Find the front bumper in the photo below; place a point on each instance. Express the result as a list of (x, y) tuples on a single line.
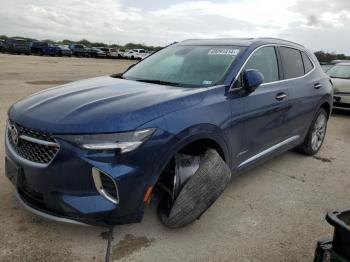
[(45, 214), (65, 190)]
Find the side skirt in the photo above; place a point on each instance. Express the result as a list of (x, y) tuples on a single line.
[(268, 151)]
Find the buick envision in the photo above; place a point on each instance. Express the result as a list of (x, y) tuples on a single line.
[(94, 151)]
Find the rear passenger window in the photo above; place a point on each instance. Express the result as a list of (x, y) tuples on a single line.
[(265, 61), (307, 63), (292, 62)]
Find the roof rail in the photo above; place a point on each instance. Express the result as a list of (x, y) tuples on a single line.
[(275, 38), (223, 38)]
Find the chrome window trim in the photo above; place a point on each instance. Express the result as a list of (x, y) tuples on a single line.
[(269, 150), (274, 82), (99, 187)]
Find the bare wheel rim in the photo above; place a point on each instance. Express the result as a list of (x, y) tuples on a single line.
[(318, 132)]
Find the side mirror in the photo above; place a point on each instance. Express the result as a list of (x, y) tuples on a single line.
[(252, 78)]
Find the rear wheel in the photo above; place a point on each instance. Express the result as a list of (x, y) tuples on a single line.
[(316, 134)]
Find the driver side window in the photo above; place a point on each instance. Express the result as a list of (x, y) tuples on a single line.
[(265, 61)]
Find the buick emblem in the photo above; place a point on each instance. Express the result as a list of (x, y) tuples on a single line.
[(14, 134)]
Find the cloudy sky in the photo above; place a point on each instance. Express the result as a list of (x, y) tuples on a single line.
[(318, 24)]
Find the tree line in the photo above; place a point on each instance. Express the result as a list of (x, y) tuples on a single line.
[(325, 57)]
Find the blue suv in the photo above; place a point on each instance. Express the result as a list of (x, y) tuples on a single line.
[(97, 150)]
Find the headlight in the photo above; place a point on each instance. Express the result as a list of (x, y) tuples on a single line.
[(124, 141)]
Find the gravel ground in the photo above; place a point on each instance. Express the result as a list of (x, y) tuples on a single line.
[(272, 213)]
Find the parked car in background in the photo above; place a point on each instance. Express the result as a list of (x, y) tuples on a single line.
[(79, 50), (326, 66), (337, 61), (41, 48), (93, 151), (17, 46), (340, 75), (113, 53), (63, 50), (122, 53), (2, 42), (136, 54), (110, 52), (96, 52)]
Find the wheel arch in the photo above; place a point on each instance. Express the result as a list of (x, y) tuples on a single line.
[(207, 138), (327, 107)]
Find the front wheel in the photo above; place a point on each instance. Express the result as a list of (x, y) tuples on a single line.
[(316, 134), (183, 205)]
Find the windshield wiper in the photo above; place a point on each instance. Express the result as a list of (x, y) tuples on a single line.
[(159, 82)]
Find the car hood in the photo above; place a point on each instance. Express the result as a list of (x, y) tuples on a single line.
[(101, 105), (341, 85)]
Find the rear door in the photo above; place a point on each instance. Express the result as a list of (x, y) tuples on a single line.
[(266, 107), (304, 89)]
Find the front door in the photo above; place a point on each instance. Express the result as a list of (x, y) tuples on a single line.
[(265, 109)]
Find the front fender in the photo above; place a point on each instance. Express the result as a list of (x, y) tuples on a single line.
[(189, 135)]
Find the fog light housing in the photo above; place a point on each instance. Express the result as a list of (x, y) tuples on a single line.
[(105, 185)]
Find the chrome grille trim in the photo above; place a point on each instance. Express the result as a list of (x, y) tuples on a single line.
[(31, 149), (38, 141)]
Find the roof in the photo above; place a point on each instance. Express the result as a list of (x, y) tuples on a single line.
[(238, 41)]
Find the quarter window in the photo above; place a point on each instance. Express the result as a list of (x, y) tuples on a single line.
[(292, 62), (265, 61), (307, 63)]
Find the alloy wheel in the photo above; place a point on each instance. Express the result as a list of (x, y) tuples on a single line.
[(318, 132)]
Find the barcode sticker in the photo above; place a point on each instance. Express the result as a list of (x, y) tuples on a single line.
[(223, 51)]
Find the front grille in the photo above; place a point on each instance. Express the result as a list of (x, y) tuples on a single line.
[(108, 185), (38, 147)]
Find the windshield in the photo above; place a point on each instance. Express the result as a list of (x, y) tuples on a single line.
[(185, 65), (339, 71)]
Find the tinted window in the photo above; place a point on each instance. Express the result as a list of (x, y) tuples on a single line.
[(307, 63), (292, 62), (265, 61)]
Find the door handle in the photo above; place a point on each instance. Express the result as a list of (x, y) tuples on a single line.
[(281, 96), (317, 86)]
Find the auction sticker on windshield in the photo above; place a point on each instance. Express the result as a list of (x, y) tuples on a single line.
[(223, 51)]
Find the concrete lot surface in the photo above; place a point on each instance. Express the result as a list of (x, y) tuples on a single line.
[(271, 213)]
